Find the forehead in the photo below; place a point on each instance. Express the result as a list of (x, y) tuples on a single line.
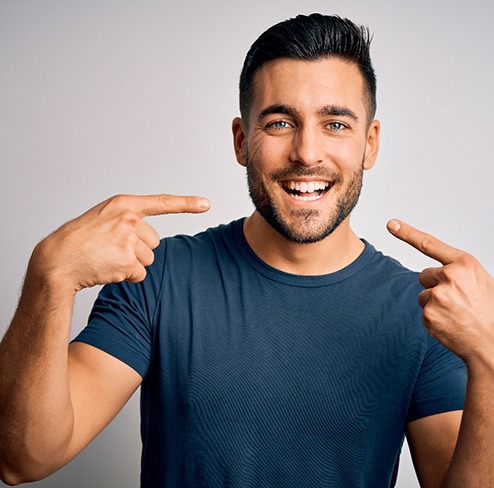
[(309, 85)]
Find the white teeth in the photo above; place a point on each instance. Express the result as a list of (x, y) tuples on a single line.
[(306, 198), (307, 187)]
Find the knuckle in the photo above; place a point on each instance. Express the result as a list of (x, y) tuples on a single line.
[(148, 259), (406, 231), (138, 275), (192, 201), (128, 216), (155, 241), (429, 320), (150, 237), (151, 257), (468, 260), (128, 241), (118, 201), (437, 295), (127, 264), (424, 277), (427, 243), (122, 198), (425, 320), (119, 276), (127, 259), (120, 207), (452, 274), (164, 201)]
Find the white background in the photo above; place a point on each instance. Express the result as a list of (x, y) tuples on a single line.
[(104, 97)]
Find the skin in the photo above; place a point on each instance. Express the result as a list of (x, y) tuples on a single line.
[(459, 298), (294, 128), (458, 304), (51, 395), (55, 399)]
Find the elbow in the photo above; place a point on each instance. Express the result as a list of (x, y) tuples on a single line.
[(10, 477), (26, 462), (8, 474), (13, 475)]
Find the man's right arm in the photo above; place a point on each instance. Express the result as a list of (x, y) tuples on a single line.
[(54, 399)]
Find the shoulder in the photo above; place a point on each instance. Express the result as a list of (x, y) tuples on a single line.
[(390, 293), (186, 250), (386, 274), (206, 239)]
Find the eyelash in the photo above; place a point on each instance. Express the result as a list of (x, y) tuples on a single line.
[(331, 125), (341, 125), (275, 123)]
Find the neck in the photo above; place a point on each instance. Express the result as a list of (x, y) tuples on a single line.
[(333, 253)]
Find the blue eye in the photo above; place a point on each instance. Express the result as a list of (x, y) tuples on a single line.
[(336, 126), (279, 124)]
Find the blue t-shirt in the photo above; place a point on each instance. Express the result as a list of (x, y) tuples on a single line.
[(254, 377)]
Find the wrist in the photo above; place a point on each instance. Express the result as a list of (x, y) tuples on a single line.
[(481, 364), (45, 273)]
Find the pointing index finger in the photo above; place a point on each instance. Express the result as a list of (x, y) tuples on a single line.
[(149, 205), (425, 243)]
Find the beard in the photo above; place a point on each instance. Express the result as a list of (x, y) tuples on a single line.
[(303, 226)]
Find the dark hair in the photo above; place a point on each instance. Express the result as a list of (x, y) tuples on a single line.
[(310, 38)]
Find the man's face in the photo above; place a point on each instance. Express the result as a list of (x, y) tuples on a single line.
[(306, 145)]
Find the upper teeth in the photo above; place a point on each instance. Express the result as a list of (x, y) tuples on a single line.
[(307, 186)]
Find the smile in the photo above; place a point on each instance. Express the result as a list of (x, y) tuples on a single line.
[(306, 191)]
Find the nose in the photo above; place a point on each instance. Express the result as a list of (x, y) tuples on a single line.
[(307, 147)]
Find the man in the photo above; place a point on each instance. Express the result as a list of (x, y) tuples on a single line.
[(280, 349)]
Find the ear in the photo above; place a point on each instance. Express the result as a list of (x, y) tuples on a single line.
[(239, 141), (372, 145)]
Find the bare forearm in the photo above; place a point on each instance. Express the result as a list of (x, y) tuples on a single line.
[(36, 416), (473, 460), (44, 419)]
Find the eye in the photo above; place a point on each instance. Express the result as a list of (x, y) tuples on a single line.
[(279, 125), (336, 126)]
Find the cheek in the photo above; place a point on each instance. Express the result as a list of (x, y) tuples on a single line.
[(348, 155), (268, 154), (257, 157)]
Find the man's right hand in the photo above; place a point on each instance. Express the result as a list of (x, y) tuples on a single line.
[(109, 243), (51, 404)]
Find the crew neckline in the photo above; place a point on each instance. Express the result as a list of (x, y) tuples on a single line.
[(294, 279)]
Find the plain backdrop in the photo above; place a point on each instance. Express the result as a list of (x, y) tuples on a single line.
[(99, 97)]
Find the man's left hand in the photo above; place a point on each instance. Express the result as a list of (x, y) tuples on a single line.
[(458, 300)]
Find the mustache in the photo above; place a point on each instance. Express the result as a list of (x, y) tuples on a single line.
[(300, 172)]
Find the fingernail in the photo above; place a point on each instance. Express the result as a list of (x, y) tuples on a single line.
[(203, 203), (394, 225)]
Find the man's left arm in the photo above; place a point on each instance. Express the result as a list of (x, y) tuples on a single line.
[(458, 311)]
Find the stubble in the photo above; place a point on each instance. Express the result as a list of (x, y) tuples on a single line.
[(304, 226)]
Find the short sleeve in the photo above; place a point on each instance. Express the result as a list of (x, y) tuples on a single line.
[(122, 317), (441, 383)]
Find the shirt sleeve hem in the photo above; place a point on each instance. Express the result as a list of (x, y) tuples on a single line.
[(131, 358), (427, 409)]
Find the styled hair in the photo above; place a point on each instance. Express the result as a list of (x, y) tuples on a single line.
[(311, 37)]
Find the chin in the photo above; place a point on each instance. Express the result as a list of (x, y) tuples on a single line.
[(305, 230)]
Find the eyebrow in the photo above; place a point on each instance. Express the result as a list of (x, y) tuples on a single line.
[(280, 108), (338, 110)]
